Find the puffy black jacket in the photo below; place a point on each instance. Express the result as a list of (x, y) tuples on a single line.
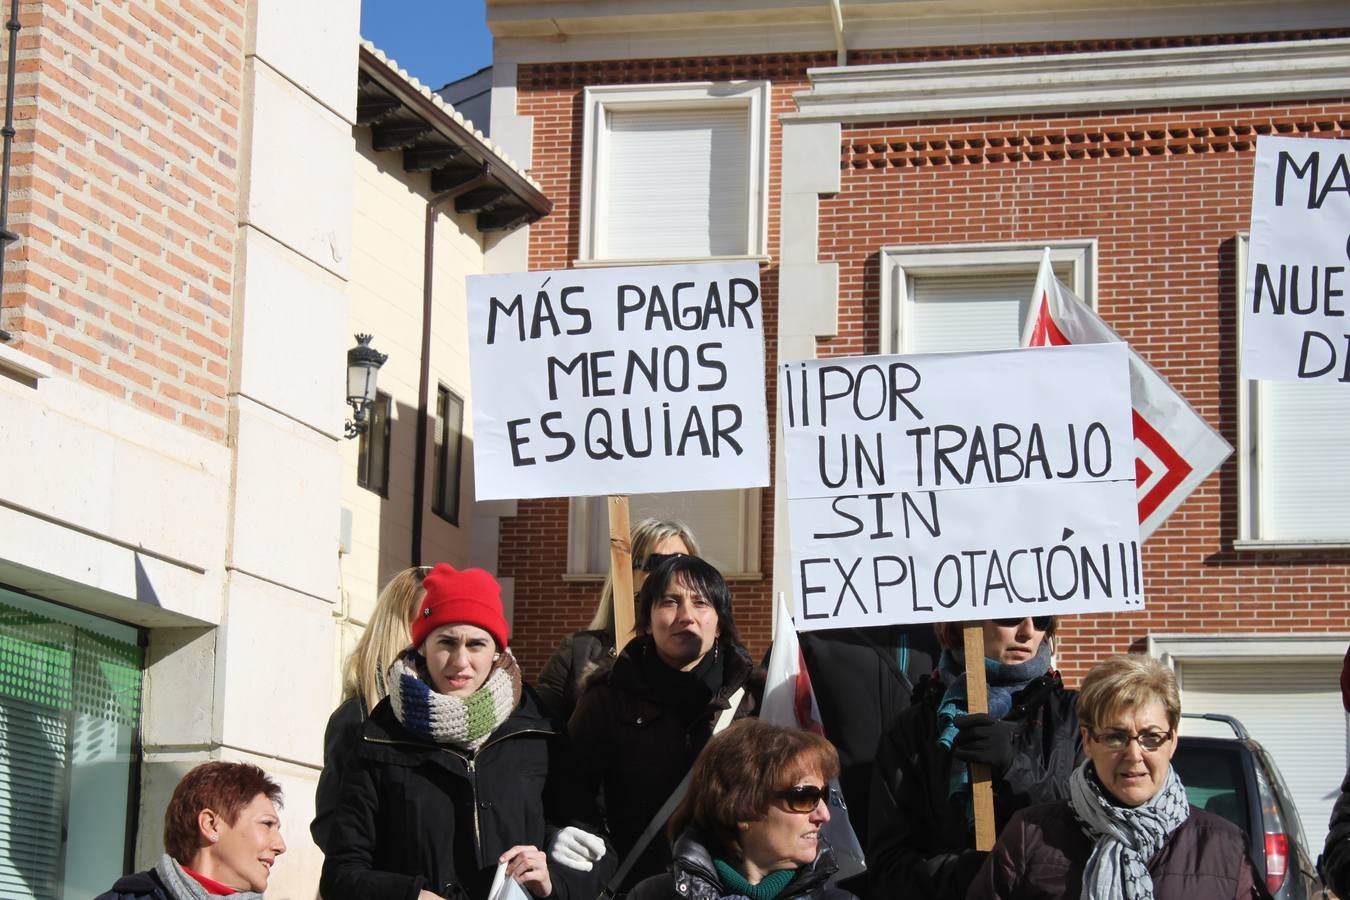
[(633, 745), (139, 886), (416, 815), (921, 844), (577, 656), (1041, 854), (694, 877), (1334, 863)]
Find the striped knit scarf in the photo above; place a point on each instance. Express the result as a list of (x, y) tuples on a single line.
[(462, 721)]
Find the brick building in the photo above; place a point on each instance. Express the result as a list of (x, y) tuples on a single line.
[(896, 168), (210, 198)]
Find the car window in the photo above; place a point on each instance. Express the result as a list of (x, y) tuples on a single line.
[(1214, 782)]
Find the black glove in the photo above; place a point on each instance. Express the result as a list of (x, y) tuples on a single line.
[(983, 739)]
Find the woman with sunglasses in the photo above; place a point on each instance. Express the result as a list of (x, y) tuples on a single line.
[(1126, 829), (750, 824), (640, 723), (581, 653), (921, 819)]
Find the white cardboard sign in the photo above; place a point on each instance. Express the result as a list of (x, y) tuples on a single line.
[(617, 381), (1294, 314), (957, 486)]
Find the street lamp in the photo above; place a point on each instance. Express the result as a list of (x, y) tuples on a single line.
[(363, 367)]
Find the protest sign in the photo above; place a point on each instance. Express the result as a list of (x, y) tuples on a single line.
[(617, 380), (960, 486), (1294, 325)]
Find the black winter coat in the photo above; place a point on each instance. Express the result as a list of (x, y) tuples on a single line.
[(139, 886), (694, 877), (577, 656), (343, 731), (921, 844), (1041, 854), (633, 747), (416, 815), (863, 678), (1334, 864)]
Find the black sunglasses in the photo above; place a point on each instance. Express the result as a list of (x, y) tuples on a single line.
[(652, 560), (1040, 623), (803, 798)]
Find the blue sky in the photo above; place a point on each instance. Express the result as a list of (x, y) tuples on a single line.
[(436, 40)]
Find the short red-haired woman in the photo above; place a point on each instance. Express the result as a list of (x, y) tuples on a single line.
[(750, 825), (222, 835)]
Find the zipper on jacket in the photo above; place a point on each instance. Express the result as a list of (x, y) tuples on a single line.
[(470, 765)]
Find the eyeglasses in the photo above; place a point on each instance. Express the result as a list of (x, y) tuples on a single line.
[(653, 560), (1040, 623), (1119, 740), (803, 798)]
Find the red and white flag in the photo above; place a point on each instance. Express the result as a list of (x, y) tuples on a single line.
[(1175, 449), (789, 700)]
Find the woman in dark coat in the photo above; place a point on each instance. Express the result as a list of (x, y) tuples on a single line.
[(363, 687), (639, 725), (449, 776), (1126, 829), (750, 825), (921, 817), (583, 652)]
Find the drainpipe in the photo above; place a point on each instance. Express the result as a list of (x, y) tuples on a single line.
[(8, 237), (424, 377), (837, 16)]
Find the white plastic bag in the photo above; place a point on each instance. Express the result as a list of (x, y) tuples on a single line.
[(504, 888)]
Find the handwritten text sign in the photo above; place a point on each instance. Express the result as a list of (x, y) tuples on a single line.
[(1294, 322), (958, 486), (617, 381)]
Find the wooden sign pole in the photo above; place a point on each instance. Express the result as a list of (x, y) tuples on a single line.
[(977, 701), (621, 570)]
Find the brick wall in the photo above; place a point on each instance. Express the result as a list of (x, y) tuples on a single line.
[(1164, 192), (124, 193)]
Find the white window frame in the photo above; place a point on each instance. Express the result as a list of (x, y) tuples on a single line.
[(600, 100), (1252, 397), (582, 513), (899, 265)]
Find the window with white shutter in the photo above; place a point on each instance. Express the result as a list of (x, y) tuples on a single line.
[(969, 297), (1292, 437), (70, 689), (725, 524), (674, 172)]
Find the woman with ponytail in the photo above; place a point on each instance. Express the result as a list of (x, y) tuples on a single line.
[(922, 820)]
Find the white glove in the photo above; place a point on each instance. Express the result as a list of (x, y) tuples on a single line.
[(576, 849)]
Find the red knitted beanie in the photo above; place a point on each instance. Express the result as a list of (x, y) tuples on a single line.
[(460, 597)]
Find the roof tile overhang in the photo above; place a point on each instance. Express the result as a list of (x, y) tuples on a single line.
[(402, 114)]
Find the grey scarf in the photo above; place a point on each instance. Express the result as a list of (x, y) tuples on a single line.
[(1127, 836), (183, 886)]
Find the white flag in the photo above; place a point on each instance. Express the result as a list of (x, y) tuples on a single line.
[(790, 701), (1175, 449)]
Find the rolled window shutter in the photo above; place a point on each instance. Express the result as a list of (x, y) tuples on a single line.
[(676, 184), (714, 517), (969, 309), (1305, 429)]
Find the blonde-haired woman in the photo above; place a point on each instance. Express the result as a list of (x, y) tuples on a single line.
[(364, 685), (581, 653), (1127, 829)]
